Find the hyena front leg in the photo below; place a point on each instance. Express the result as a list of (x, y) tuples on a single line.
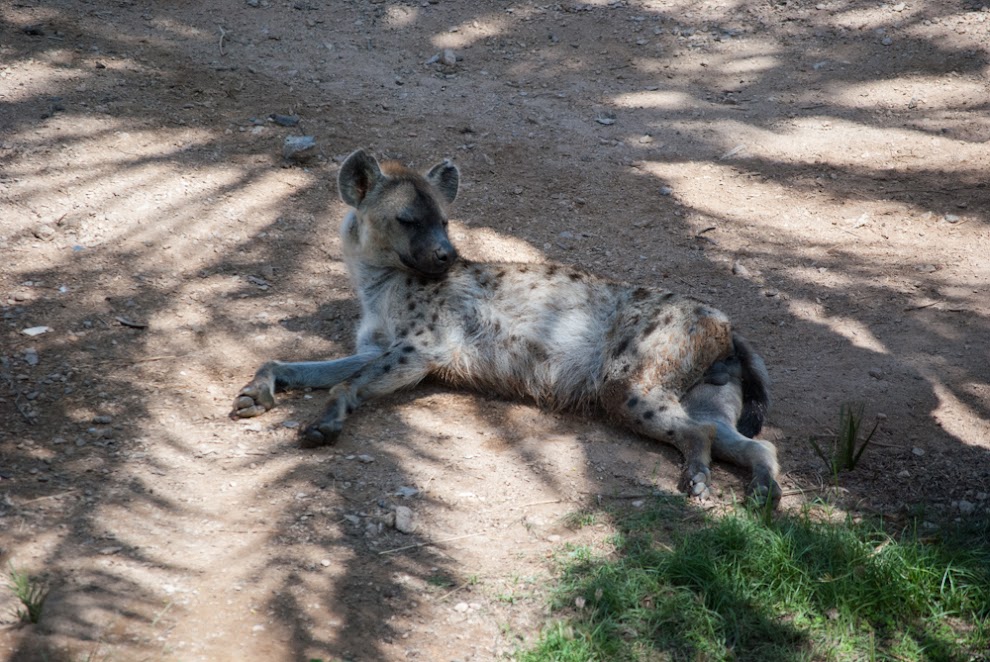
[(399, 367), (259, 395), (658, 414)]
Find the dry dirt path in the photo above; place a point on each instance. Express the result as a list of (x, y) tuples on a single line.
[(816, 169)]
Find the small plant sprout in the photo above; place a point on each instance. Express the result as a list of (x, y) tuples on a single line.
[(846, 448), (31, 592)]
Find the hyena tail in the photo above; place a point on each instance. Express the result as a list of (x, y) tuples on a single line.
[(755, 388)]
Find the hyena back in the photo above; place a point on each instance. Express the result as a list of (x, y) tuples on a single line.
[(664, 365)]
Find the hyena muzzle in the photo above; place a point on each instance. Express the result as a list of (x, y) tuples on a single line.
[(667, 366)]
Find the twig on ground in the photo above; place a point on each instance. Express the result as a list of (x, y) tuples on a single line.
[(428, 543), (223, 33), (49, 496), (131, 323), (539, 503)]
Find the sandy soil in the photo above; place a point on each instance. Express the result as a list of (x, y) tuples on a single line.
[(816, 169)]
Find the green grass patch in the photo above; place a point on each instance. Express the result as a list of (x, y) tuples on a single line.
[(748, 587), (30, 592)]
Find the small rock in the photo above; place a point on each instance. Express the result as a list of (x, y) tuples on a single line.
[(904, 473), (325, 563), (290, 424), (406, 492), (875, 373), (365, 459), (284, 120), (36, 330), (740, 270), (606, 119), (899, 7), (566, 234), (404, 520), (299, 148), (638, 503), (461, 607), (102, 419), (952, 218), (353, 519), (258, 628), (44, 232), (448, 57), (886, 41), (666, 191), (966, 507), (31, 356), (918, 451), (770, 293)]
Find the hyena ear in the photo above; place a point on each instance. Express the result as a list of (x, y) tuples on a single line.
[(446, 177), (358, 175)]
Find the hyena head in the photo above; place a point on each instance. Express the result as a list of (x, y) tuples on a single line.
[(399, 218)]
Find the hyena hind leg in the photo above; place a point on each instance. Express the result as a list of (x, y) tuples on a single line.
[(259, 395), (659, 415), (721, 405)]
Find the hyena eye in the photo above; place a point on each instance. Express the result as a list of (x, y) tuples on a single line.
[(407, 221), (446, 222)]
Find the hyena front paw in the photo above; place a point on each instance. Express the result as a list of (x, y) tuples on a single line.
[(254, 399), (696, 482), (321, 433)]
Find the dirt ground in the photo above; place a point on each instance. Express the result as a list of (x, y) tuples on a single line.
[(818, 170)]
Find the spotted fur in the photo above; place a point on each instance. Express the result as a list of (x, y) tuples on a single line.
[(668, 366)]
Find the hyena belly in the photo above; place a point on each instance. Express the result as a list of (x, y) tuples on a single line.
[(568, 340), (532, 331)]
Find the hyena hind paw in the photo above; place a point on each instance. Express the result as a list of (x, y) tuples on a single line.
[(763, 491), (696, 483)]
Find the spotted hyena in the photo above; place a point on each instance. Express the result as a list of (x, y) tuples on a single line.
[(667, 366)]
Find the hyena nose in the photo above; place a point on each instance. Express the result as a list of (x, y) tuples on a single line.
[(444, 253)]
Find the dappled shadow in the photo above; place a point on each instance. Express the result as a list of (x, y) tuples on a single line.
[(139, 115)]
